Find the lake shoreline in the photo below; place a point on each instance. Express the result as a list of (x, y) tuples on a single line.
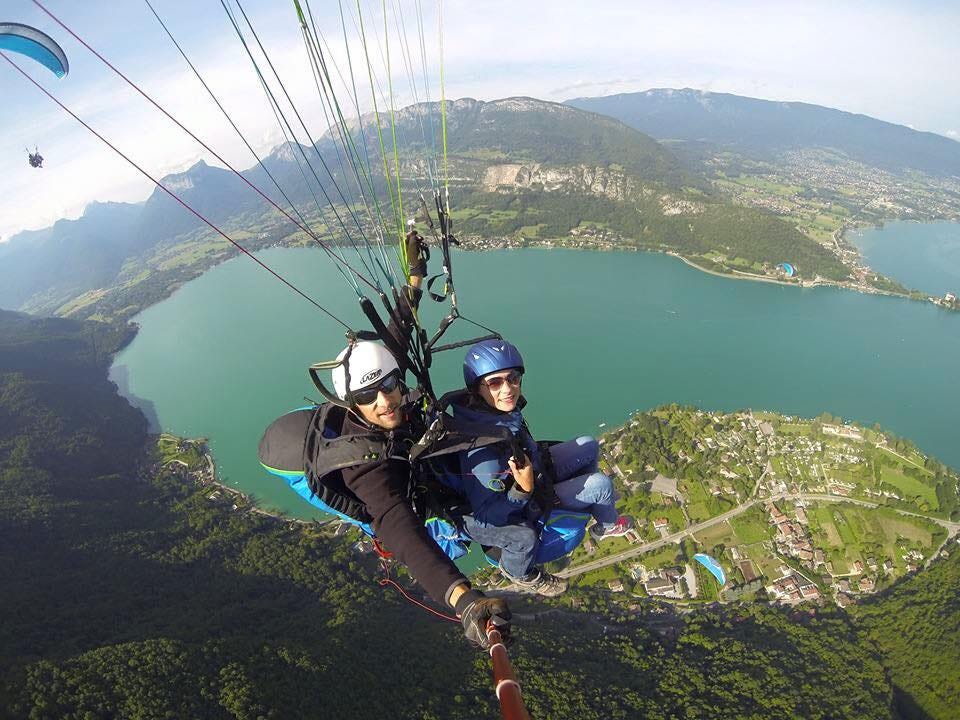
[(671, 304), (731, 275), (906, 256), (206, 477)]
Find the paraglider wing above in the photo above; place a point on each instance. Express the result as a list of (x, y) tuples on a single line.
[(34, 44)]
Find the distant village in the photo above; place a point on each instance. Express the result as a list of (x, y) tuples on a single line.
[(766, 475)]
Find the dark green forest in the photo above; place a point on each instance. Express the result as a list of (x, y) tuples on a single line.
[(128, 594)]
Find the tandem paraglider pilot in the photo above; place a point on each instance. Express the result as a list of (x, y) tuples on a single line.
[(350, 457)]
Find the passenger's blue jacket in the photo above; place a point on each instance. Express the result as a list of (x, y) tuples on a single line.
[(484, 474)]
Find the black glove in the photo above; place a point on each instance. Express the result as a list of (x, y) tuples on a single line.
[(475, 610)]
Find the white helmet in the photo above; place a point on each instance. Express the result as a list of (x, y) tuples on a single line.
[(369, 363)]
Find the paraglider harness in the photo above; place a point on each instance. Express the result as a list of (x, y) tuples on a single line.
[(35, 158), (326, 452), (447, 434)]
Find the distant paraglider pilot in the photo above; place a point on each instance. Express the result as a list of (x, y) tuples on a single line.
[(36, 45), (35, 158)]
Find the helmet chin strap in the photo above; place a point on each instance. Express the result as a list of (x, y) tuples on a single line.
[(314, 369)]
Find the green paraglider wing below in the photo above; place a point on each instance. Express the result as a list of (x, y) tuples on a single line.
[(34, 44)]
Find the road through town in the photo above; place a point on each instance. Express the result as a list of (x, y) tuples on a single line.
[(951, 527)]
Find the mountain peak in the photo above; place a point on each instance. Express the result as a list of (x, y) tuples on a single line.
[(285, 152), (185, 179)]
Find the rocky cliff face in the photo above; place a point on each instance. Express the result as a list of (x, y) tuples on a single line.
[(605, 182)]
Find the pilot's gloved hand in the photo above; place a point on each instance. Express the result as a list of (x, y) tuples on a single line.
[(475, 610)]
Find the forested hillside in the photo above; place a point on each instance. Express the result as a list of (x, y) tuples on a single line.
[(917, 627), (128, 593)]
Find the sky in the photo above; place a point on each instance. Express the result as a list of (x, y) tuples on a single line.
[(896, 61)]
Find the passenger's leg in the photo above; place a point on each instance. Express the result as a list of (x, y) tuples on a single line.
[(575, 457), (592, 493), (518, 544)]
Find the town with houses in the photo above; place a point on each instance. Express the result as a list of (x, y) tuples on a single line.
[(794, 511)]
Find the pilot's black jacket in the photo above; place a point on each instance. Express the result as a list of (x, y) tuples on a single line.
[(384, 487)]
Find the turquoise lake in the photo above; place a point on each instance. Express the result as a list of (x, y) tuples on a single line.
[(603, 334), (922, 256)]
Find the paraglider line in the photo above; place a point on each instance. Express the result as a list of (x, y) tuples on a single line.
[(232, 123), (201, 142), (410, 598), (313, 143), (177, 198)]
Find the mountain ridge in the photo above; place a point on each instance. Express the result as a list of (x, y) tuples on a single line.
[(761, 127), (536, 130)]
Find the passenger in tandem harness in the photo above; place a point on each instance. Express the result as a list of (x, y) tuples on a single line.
[(518, 496)]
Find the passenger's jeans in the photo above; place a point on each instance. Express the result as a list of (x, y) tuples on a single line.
[(518, 544), (580, 486)]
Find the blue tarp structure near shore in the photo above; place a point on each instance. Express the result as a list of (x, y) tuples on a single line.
[(712, 565)]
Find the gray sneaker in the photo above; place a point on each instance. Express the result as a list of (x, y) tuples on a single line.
[(540, 582), (621, 527)]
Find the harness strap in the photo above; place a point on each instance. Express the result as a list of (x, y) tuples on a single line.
[(446, 288), (543, 489)]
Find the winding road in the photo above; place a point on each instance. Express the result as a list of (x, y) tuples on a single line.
[(951, 527)]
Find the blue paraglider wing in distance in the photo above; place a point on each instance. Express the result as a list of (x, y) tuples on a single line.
[(788, 269), (34, 44), (712, 565)]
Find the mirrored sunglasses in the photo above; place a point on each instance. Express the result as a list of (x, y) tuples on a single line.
[(368, 395), (495, 383)]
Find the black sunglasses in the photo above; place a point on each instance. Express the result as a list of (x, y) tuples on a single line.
[(368, 395), (513, 377)]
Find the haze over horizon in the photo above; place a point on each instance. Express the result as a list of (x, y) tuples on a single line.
[(813, 52)]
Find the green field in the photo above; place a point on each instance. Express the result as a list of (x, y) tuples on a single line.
[(531, 231), (709, 589), (804, 429), (598, 577), (909, 487), (912, 458), (751, 527), (822, 515), (701, 505), (845, 475), (717, 534), (169, 448), (663, 557), (863, 532)]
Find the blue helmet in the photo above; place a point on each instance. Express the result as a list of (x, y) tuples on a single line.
[(490, 356)]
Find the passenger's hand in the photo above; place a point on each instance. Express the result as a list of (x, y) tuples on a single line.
[(522, 472), (476, 610)]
